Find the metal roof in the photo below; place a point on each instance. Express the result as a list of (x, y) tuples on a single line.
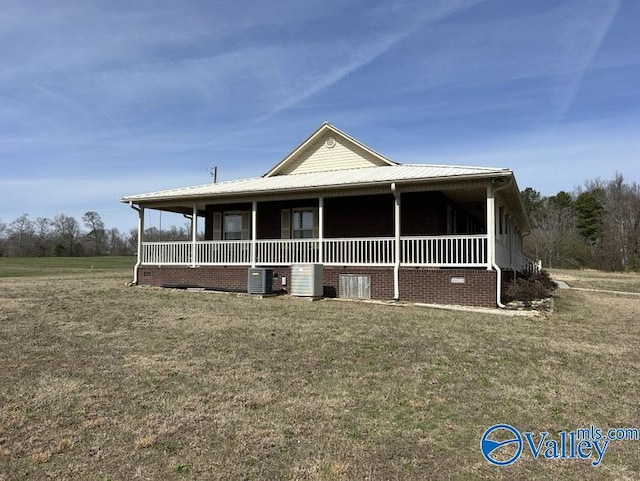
[(335, 179)]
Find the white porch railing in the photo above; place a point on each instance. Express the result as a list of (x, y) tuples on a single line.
[(228, 253), (508, 259), (167, 253), (374, 251), (444, 251), (523, 264), (436, 251), (287, 251)]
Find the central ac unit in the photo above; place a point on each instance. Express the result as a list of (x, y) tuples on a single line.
[(260, 280), (306, 280)]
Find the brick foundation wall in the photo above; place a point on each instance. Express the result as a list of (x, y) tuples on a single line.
[(232, 278), (416, 284), (381, 280), (435, 286)]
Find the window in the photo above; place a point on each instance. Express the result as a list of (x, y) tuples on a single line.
[(299, 223), (232, 227), (302, 222)]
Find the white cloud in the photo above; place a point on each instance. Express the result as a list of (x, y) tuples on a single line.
[(338, 59), (585, 28)]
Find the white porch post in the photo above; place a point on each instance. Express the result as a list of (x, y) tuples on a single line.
[(140, 210), (511, 244), (397, 243), (254, 228), (491, 226), (321, 230), (194, 235)]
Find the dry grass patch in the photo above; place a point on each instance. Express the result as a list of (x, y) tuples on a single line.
[(120, 383), (145, 441), (592, 279), (40, 456)]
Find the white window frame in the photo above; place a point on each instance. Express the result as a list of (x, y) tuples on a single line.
[(288, 229), (220, 231), (295, 229), (225, 232)]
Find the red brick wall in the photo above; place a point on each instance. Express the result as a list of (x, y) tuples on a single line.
[(435, 286), (381, 280), (362, 216), (416, 284), (219, 277), (423, 213), (269, 216), (210, 209)]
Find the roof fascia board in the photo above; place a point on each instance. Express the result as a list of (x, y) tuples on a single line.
[(450, 182), (382, 189), (511, 196)]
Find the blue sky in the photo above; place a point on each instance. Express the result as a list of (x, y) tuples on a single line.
[(100, 99)]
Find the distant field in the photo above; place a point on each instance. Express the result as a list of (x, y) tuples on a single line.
[(42, 266), (592, 279), (101, 381)]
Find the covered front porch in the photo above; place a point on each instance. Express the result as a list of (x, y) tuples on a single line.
[(457, 226)]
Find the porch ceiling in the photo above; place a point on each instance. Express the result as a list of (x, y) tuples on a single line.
[(471, 199), (469, 194)]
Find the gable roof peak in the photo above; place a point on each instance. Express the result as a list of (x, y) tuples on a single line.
[(311, 155)]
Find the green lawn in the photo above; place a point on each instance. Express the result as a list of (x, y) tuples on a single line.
[(43, 266)]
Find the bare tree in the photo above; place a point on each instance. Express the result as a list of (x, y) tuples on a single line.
[(43, 229), (67, 229), (96, 233), (555, 238), (21, 233), (621, 232), (117, 242), (3, 230), (63, 235)]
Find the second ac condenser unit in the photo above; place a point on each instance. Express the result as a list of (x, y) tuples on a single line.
[(260, 281), (306, 280)]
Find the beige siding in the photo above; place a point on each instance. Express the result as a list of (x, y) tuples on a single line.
[(317, 157)]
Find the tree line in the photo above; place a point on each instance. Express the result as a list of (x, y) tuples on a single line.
[(64, 235), (595, 226)]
